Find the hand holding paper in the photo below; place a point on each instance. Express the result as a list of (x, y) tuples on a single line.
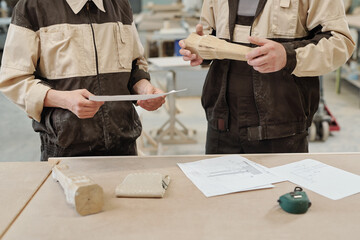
[(144, 87)]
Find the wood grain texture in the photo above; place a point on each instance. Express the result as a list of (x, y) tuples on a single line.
[(80, 191), (184, 212), (210, 47), (19, 181)]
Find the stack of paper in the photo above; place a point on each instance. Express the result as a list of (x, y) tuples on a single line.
[(223, 175)]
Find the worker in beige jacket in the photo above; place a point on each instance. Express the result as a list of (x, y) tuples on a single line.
[(266, 104), (59, 53)]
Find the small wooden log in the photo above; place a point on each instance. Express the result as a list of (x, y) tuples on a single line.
[(211, 47), (80, 191)]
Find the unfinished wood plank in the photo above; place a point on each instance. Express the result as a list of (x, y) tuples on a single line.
[(211, 47), (80, 191)]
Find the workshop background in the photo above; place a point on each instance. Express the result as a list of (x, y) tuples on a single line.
[(179, 128)]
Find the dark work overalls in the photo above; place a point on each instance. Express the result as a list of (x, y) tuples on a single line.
[(243, 113)]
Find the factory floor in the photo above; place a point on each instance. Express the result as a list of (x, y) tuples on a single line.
[(18, 142)]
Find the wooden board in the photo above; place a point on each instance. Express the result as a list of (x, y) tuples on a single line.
[(18, 183), (184, 212), (211, 47)]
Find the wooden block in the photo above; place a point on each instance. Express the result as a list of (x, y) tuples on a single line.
[(80, 191), (211, 47)]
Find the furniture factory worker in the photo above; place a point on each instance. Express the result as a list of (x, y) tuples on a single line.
[(266, 105), (60, 52)]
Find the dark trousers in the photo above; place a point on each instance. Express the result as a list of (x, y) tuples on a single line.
[(236, 142)]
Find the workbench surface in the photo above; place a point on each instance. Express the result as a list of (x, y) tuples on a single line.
[(184, 212), (18, 184)]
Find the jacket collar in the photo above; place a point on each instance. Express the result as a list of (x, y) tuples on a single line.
[(77, 5), (233, 7), (260, 7)]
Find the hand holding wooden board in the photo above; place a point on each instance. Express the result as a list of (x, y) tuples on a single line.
[(210, 47)]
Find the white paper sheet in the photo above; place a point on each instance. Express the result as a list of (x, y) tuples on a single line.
[(131, 97), (169, 62), (323, 179), (223, 175)]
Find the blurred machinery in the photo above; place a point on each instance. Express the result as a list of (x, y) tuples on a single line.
[(5, 13), (192, 5), (160, 27), (323, 122), (136, 6), (164, 25)]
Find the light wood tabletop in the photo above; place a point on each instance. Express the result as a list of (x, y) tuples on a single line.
[(184, 212), (19, 182)]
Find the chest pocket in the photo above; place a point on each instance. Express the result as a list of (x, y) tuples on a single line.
[(62, 52), (124, 45), (284, 17)]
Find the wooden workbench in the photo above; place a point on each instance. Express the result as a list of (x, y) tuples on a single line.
[(184, 212), (18, 184)]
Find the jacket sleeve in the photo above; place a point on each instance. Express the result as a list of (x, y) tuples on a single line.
[(207, 20), (140, 66), (17, 80), (329, 44), (207, 17)]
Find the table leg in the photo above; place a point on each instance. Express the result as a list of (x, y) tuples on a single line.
[(168, 132)]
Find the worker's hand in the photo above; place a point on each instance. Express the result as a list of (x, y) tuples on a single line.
[(145, 87), (80, 105), (76, 101), (194, 59), (269, 57)]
